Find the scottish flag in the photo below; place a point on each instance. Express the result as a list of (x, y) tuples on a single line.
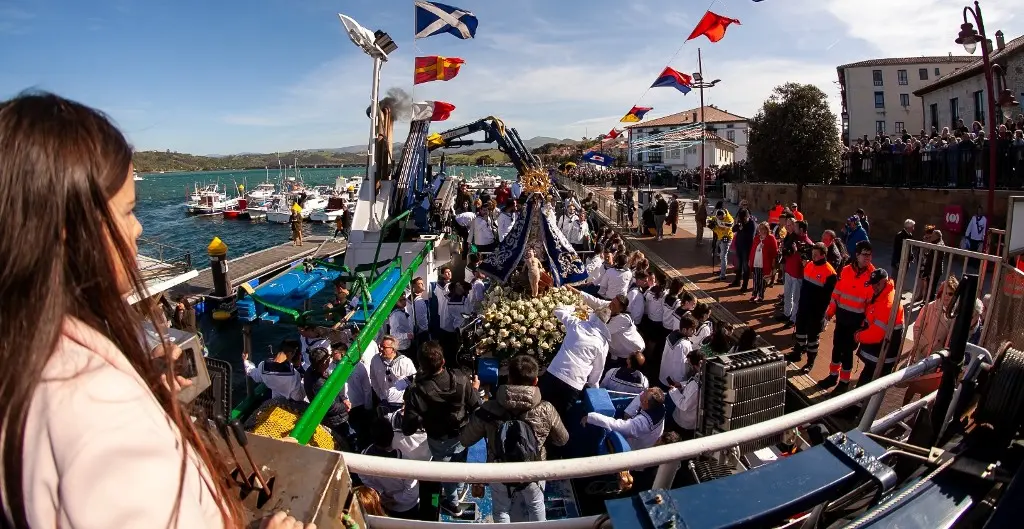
[(433, 18)]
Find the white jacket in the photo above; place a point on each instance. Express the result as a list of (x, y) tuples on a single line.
[(614, 282), (673, 358), (637, 303), (625, 338), (653, 306), (396, 494), (641, 429), (623, 380), (384, 375), (420, 314), (282, 384), (401, 326), (483, 231), (100, 451), (357, 390), (686, 400), (580, 360), (595, 269), (505, 224)]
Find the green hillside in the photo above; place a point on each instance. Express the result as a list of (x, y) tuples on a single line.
[(152, 161)]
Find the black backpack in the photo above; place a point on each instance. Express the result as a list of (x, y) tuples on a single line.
[(517, 443)]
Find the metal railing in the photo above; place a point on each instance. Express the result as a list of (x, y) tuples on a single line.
[(664, 456), (159, 259)]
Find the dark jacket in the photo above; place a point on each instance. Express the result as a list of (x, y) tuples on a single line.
[(336, 415), (439, 403), (897, 247), (513, 402), (816, 291), (661, 207), (743, 240)]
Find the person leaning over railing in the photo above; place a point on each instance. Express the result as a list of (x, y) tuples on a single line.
[(93, 434)]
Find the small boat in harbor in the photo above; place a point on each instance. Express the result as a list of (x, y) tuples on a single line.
[(209, 200), (336, 207), (262, 192), (136, 177)]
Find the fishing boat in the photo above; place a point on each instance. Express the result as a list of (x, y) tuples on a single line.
[(262, 192), (752, 465), (135, 176), (209, 200), (336, 206)]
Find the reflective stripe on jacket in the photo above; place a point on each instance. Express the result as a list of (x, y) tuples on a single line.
[(851, 294), (876, 317)]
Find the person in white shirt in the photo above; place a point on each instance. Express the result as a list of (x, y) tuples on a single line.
[(673, 357), (413, 446), (686, 396), (517, 190), (684, 303), (565, 222), (580, 239), (386, 369), (401, 326), (625, 338), (507, 219), (595, 266), (615, 280), (357, 396), (280, 374), (627, 379), (309, 338), (452, 325), (977, 228), (420, 312), (644, 422), (705, 327), (439, 301), (579, 361), (637, 305), (399, 496), (483, 231), (477, 291)]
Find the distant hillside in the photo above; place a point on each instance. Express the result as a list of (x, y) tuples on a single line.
[(152, 161)]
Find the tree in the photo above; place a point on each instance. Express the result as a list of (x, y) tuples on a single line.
[(795, 138), (485, 160)]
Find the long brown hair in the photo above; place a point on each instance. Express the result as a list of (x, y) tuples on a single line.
[(60, 163)]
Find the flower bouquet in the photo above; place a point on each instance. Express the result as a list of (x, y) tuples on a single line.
[(514, 323)]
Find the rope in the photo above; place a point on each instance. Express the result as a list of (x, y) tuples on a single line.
[(1004, 399), (883, 508)]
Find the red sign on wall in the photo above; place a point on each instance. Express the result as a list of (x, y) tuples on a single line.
[(953, 220)]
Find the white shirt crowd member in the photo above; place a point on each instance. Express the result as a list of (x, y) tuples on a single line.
[(385, 374), (686, 400), (669, 318), (580, 360), (306, 344), (625, 380), (653, 306), (505, 223), (283, 379), (641, 428), (357, 390), (421, 314), (595, 269), (704, 332), (976, 228), (396, 494), (401, 326), (637, 303), (673, 358), (625, 338), (614, 281), (483, 230), (476, 294)]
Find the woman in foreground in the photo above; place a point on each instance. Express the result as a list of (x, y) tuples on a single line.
[(92, 435)]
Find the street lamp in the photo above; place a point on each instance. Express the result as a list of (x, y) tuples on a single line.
[(1007, 102), (378, 45), (699, 82), (969, 39)]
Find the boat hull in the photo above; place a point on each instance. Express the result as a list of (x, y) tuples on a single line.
[(326, 216), (279, 217)]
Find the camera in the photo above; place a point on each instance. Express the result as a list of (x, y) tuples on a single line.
[(804, 249)]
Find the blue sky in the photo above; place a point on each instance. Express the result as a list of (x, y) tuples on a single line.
[(274, 75)]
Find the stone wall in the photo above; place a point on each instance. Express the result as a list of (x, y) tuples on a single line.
[(828, 206)]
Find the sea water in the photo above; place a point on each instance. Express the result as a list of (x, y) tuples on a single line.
[(160, 208)]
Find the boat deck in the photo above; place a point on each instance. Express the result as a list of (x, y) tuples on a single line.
[(264, 263)]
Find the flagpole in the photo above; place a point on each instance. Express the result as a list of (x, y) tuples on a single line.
[(700, 69)]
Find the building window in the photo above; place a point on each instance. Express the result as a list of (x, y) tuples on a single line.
[(979, 106), (879, 127), (923, 73), (954, 110), (655, 155), (877, 76), (937, 72), (899, 128), (730, 135), (933, 111), (901, 77), (675, 153), (639, 156), (879, 99), (904, 100)]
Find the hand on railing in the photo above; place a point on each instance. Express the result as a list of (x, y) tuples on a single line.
[(281, 520)]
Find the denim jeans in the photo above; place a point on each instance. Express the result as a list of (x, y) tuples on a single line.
[(448, 450), (659, 225), (525, 505), (723, 253), (791, 297)]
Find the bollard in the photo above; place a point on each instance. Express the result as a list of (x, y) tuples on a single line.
[(223, 298)]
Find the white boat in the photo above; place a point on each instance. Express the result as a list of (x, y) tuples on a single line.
[(136, 177), (279, 209), (263, 192), (483, 181), (335, 207), (209, 200)]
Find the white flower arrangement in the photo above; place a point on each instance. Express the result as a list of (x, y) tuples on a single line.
[(514, 324)]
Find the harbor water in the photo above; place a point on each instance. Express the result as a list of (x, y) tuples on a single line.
[(161, 210)]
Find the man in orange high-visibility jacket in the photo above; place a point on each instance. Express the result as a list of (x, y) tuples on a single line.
[(819, 282), (876, 327), (849, 301), (775, 215)]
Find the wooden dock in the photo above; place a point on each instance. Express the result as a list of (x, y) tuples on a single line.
[(264, 263)]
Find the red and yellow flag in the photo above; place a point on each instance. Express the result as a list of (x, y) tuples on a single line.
[(436, 68)]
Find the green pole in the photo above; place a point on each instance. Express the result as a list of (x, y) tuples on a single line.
[(317, 409), (380, 240)]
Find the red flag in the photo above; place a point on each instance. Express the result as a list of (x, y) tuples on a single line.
[(436, 68), (612, 135), (712, 26), (442, 111), (432, 110)]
